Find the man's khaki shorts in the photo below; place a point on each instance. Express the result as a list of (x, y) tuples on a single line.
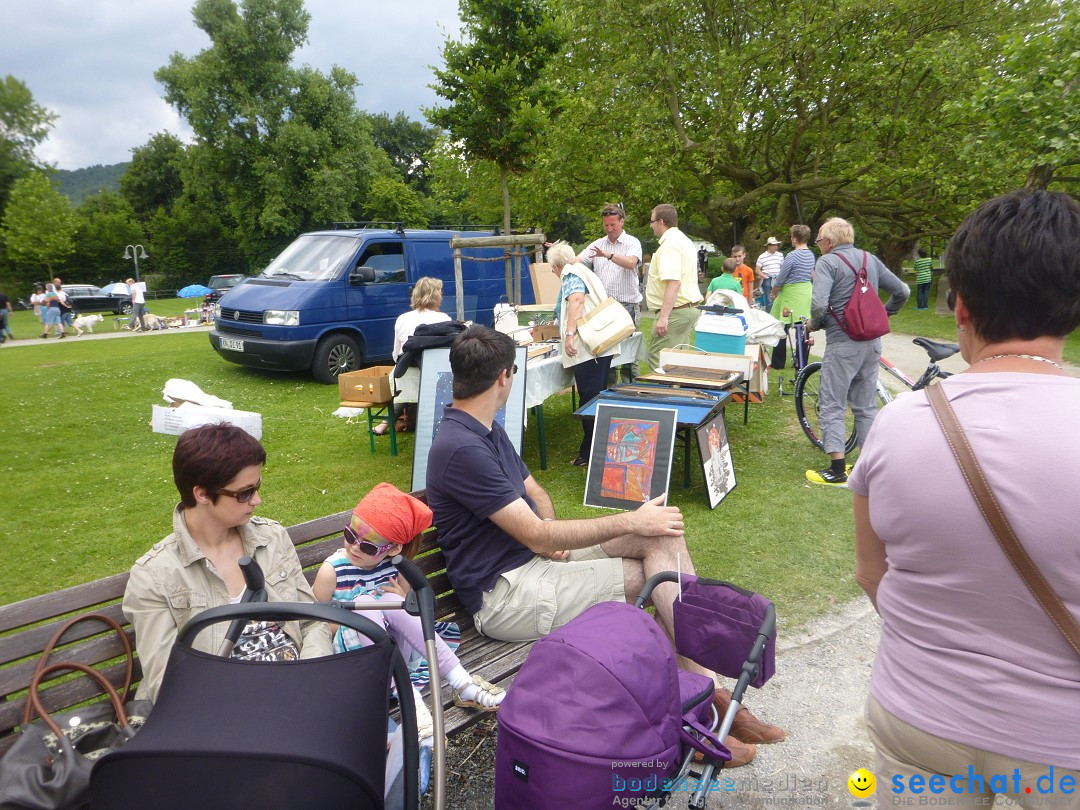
[(532, 600)]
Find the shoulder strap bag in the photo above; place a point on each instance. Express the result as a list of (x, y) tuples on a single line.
[(605, 321), (999, 524)]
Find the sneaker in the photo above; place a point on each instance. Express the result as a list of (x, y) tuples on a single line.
[(44, 335), (826, 477), (579, 462)]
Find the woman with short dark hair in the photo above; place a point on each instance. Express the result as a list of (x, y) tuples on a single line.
[(218, 472), (971, 674)]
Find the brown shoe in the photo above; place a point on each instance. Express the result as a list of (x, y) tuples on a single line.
[(746, 727), (741, 754)]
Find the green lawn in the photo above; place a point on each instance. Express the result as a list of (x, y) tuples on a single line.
[(89, 486)]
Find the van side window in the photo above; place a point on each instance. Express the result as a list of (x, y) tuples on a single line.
[(387, 259)]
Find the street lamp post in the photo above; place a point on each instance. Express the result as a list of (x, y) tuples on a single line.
[(135, 252)]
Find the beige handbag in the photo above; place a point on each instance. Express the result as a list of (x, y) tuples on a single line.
[(606, 323)]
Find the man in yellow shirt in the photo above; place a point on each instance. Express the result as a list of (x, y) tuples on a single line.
[(672, 291)]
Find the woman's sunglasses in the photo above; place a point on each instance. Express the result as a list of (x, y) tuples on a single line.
[(950, 299), (242, 495), (364, 546)]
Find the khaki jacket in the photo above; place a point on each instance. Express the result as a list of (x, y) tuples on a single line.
[(173, 582)]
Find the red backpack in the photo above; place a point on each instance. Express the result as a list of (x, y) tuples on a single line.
[(864, 316)]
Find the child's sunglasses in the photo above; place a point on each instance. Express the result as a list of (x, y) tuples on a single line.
[(364, 546)]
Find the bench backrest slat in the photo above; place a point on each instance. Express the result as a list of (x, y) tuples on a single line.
[(32, 641), (77, 599)]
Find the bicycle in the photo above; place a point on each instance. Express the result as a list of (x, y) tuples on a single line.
[(807, 383)]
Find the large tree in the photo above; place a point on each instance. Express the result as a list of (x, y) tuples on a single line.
[(38, 229), (153, 179), (752, 115), (496, 86), (104, 224), (1029, 103), (24, 124), (278, 149), (407, 144)]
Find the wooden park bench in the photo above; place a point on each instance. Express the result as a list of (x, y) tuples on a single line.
[(25, 628)]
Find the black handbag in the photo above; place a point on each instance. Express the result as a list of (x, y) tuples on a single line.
[(48, 767)]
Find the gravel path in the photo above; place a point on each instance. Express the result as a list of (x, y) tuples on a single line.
[(822, 679)]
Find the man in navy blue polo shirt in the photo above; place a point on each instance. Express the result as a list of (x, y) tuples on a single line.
[(520, 572)]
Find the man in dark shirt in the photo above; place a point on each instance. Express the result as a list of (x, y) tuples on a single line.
[(519, 570)]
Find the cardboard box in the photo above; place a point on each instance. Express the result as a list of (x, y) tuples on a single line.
[(547, 331), (752, 364), (177, 419), (367, 384), (545, 284)]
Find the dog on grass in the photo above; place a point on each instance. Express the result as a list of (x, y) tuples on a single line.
[(86, 322), (153, 323)]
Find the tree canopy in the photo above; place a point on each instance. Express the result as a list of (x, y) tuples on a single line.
[(38, 229), (278, 150), (496, 83)]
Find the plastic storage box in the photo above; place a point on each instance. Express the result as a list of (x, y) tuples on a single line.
[(721, 333)]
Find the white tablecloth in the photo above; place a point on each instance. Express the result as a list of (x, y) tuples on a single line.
[(543, 378)]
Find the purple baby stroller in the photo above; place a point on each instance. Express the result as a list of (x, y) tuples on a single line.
[(600, 715)]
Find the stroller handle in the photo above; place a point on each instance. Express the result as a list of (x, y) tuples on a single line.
[(279, 611), (254, 591), (425, 597)]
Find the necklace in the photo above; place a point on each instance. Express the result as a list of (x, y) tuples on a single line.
[(1038, 357)]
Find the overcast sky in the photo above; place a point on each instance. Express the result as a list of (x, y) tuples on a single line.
[(92, 62)]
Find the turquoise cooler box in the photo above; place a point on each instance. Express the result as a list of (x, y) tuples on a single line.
[(721, 333)]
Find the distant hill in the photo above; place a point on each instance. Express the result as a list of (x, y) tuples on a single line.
[(82, 183)]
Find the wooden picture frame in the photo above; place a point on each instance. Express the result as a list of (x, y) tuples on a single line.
[(436, 392), (716, 464), (632, 454)]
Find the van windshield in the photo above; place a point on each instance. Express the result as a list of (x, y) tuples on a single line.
[(315, 257)]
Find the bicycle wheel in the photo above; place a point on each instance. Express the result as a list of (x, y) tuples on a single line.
[(806, 407)]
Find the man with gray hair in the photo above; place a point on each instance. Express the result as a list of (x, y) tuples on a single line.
[(672, 292), (615, 258), (850, 367)]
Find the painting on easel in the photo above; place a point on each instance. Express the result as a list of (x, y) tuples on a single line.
[(631, 456), (716, 459)]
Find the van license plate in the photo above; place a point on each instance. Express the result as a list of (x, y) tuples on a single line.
[(232, 344)]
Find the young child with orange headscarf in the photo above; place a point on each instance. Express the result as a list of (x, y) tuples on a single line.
[(384, 522)]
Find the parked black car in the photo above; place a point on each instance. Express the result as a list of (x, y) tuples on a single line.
[(222, 284), (88, 298)]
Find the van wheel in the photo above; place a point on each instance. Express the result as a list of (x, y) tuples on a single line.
[(333, 355)]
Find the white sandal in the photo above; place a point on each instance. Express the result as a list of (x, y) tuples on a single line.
[(485, 688)]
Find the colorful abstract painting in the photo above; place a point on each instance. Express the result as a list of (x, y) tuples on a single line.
[(630, 460), (631, 455)]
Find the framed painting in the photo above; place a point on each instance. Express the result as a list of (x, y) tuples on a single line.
[(716, 463), (437, 391), (632, 452)]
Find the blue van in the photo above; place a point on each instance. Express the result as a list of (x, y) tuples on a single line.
[(329, 302)]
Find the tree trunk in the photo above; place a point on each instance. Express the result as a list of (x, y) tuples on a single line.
[(1039, 177), (504, 176), (893, 252)]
